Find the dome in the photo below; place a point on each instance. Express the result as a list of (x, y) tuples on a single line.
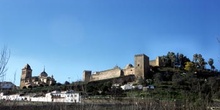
[(43, 74), (128, 66)]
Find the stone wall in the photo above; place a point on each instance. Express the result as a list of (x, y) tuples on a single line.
[(156, 62), (107, 74), (153, 63), (140, 69), (129, 71)]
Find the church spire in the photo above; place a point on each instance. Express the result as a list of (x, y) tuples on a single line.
[(44, 69)]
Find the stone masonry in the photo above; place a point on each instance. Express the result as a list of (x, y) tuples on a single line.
[(140, 70)]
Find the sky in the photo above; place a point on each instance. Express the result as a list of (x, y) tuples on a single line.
[(68, 37)]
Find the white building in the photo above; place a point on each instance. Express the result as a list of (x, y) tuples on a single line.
[(47, 98), (131, 86), (127, 87), (55, 96), (16, 97), (66, 96)]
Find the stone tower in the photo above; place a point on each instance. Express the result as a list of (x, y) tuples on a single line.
[(26, 76), (158, 61), (86, 76), (141, 65)]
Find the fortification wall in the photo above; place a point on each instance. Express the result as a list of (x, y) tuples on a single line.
[(140, 69), (129, 71), (153, 63), (156, 62), (112, 73)]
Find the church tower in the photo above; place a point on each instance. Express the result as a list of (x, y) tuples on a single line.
[(26, 76), (141, 65)]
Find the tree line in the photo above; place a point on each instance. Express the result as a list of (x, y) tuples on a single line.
[(179, 60)]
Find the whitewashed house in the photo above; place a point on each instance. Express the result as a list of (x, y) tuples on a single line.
[(126, 87), (47, 98), (55, 96), (16, 97), (66, 96), (131, 86)]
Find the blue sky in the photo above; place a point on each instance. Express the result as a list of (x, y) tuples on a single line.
[(70, 36)]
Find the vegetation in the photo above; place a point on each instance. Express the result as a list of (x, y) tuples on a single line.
[(179, 78), (179, 82)]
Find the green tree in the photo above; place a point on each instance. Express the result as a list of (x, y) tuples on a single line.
[(190, 66), (211, 62), (177, 80), (140, 80), (165, 61), (171, 59), (158, 77), (195, 58), (180, 57), (184, 60), (201, 62), (181, 60)]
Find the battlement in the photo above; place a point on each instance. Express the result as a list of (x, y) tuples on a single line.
[(141, 68), (156, 62)]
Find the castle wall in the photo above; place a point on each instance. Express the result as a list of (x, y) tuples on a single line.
[(141, 68), (129, 71), (156, 62), (153, 63), (112, 73)]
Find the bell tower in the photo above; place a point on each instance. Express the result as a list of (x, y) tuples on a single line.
[(26, 76)]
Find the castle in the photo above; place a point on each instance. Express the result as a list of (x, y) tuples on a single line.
[(29, 81), (140, 70)]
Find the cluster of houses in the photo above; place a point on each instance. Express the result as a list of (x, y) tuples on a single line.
[(54, 96), (140, 87)]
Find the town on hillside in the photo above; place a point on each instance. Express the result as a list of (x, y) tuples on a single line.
[(169, 77)]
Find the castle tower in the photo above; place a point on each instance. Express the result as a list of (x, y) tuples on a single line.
[(26, 76), (141, 65), (158, 61), (86, 76)]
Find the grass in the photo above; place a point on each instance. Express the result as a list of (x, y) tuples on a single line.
[(106, 104)]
